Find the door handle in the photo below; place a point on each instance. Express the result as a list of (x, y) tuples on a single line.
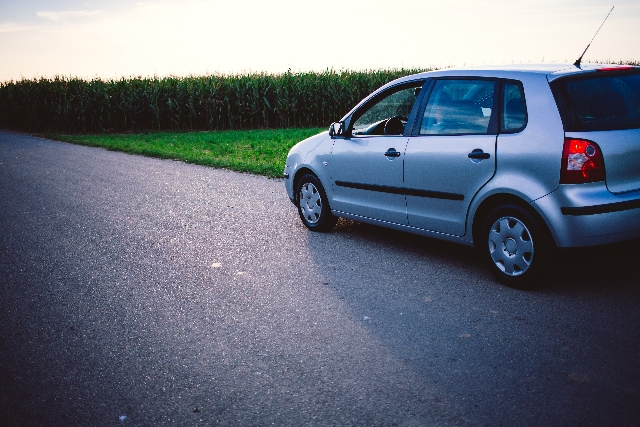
[(391, 152), (478, 154)]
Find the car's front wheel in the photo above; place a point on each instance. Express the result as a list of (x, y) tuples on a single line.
[(515, 245), (313, 206)]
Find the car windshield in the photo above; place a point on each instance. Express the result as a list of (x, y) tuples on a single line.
[(602, 103)]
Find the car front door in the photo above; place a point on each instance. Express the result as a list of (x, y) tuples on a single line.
[(367, 166), (367, 178), (452, 154)]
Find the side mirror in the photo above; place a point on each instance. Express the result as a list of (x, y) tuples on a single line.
[(336, 129)]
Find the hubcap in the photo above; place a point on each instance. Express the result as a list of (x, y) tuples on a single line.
[(310, 203), (510, 246)]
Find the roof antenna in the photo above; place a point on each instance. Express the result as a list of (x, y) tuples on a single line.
[(577, 63)]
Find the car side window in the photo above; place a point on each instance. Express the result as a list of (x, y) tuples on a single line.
[(460, 107), (513, 107), (387, 115)]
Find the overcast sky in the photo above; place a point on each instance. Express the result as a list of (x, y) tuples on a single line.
[(117, 38)]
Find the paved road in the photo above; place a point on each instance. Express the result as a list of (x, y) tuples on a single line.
[(144, 292)]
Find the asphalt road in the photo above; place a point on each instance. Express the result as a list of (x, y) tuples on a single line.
[(145, 292)]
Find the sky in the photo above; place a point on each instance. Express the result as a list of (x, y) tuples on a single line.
[(116, 38)]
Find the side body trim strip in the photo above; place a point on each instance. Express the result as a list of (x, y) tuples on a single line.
[(400, 190)]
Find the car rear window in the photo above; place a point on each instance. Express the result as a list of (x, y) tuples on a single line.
[(605, 102)]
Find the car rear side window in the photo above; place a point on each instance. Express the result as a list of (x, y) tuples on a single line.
[(600, 103), (460, 107)]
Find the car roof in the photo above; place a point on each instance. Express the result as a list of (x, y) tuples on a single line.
[(551, 70)]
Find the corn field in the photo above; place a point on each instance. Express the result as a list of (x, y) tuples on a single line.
[(215, 102)]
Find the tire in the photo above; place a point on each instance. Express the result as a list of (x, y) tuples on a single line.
[(515, 246), (313, 205)]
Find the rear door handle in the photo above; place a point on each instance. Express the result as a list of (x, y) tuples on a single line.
[(391, 152), (478, 154)]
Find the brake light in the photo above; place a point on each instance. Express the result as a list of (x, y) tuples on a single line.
[(619, 68), (582, 162)]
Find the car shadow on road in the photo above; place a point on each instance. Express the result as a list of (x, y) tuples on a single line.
[(464, 336), (612, 266), (406, 242)]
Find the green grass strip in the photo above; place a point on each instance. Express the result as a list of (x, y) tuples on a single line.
[(262, 152)]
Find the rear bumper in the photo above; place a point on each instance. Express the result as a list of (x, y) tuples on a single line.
[(589, 215), (601, 209)]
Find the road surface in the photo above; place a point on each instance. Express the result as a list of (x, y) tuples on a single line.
[(146, 292)]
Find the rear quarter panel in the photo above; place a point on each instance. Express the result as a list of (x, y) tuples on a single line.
[(528, 162)]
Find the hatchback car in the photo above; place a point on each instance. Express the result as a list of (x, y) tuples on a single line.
[(515, 160)]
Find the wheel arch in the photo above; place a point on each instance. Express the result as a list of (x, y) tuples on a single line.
[(296, 179), (496, 200)]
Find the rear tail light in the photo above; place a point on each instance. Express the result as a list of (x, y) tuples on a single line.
[(582, 162)]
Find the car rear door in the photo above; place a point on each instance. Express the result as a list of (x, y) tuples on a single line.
[(452, 154)]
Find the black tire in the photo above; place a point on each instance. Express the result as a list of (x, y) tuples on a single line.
[(313, 205), (515, 245)]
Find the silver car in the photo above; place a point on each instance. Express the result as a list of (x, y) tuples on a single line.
[(514, 160)]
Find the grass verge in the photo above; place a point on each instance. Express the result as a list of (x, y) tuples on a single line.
[(256, 151)]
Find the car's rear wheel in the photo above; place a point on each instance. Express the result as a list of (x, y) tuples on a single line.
[(313, 205), (515, 245)]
